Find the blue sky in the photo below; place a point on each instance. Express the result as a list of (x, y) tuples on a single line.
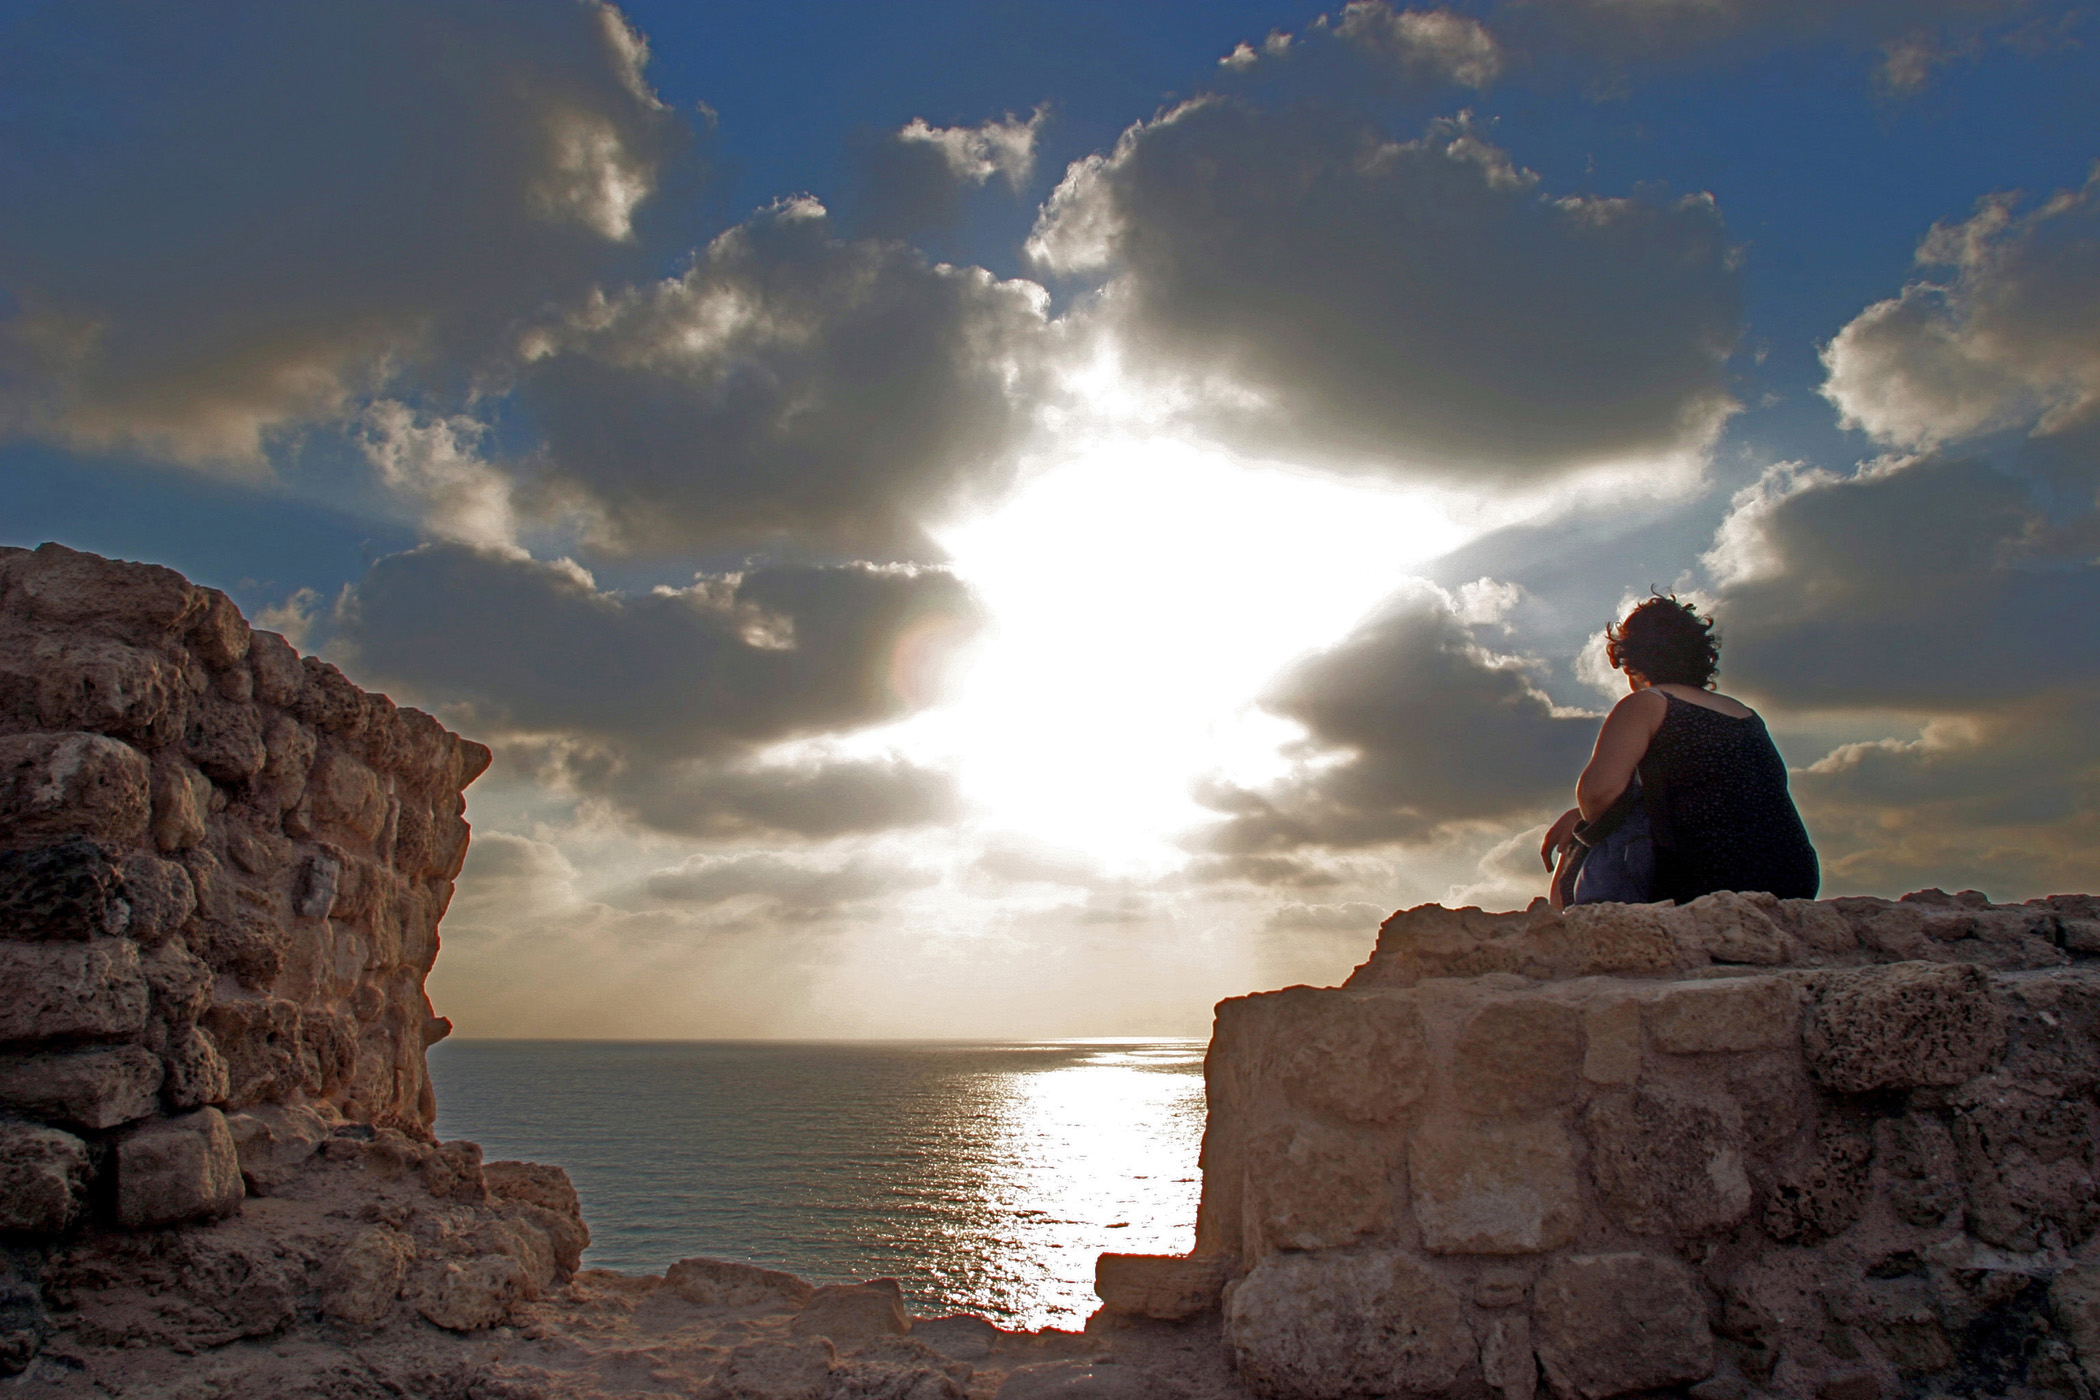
[(922, 494)]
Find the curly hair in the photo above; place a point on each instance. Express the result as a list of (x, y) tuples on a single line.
[(1667, 642)]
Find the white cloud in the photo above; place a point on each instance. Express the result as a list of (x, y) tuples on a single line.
[(1440, 42), (975, 154), (437, 463)]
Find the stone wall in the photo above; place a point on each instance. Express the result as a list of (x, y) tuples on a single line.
[(1841, 1149), (222, 867)]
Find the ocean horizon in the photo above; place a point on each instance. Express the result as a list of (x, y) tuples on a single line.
[(985, 1176)]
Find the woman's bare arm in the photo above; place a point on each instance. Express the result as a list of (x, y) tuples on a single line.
[(1621, 744)]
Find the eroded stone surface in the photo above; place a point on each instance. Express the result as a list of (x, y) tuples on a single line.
[(1494, 1188), (1347, 1323), (1610, 1324)]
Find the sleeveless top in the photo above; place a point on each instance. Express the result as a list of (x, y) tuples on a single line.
[(1717, 797)]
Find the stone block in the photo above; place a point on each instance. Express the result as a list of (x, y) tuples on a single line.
[(1507, 1361), (181, 796), (2028, 1158), (1735, 1014), (218, 634), (531, 1182), (567, 1236), (1611, 1031), (43, 1179), (54, 990), (72, 784), (362, 1282), (73, 889), (195, 1070), (1083, 1380), (1903, 1026), (1494, 1188), (1631, 938), (97, 684), (471, 1294), (1732, 928), (272, 1141), (1169, 1287), (1310, 1186), (98, 1088), (224, 739), (1611, 1324), (69, 588), (1666, 1163), (2074, 1303), (1517, 1057), (274, 664), (777, 1369), (1346, 1323), (179, 980), (1822, 1196), (848, 1312), (176, 1169), (1357, 1057), (724, 1283), (161, 898)]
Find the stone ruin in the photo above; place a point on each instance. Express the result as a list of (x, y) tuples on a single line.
[(1840, 1149)]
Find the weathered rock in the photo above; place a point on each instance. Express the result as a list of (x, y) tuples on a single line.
[(1494, 1188), (179, 981), (1611, 1324), (1517, 1057), (1904, 1026), (1339, 1324), (1310, 1186), (2074, 1302), (1740, 1013), (61, 785), (161, 898), (196, 1071), (543, 1186), (176, 1169), (69, 890), (1168, 1287), (1611, 1029), (1666, 1163), (1361, 1060), (272, 1141), (776, 1370), (1080, 1380), (101, 1087), (1823, 1195), (181, 798), (43, 1179), (723, 1283), (56, 990), (1507, 1361), (853, 1311), (2028, 1160), (361, 1284), (468, 1295)]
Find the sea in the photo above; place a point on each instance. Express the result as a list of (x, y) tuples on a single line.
[(985, 1178)]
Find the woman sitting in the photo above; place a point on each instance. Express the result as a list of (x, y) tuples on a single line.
[(1712, 788)]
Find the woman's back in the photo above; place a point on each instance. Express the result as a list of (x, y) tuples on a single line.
[(1717, 794)]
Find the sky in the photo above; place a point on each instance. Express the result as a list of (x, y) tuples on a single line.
[(1011, 520)]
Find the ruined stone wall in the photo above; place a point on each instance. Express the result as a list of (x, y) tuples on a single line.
[(222, 867), (1841, 1149)]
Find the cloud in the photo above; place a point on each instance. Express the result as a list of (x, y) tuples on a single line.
[(1413, 728), (973, 154), (789, 383), (667, 702), (1424, 42), (2008, 337), (1418, 308), (1356, 919), (913, 180), (279, 208), (797, 888)]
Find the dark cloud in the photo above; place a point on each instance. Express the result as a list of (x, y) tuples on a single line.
[(275, 207), (790, 383), (663, 701), (913, 180), (1417, 306), (1412, 727), (799, 888)]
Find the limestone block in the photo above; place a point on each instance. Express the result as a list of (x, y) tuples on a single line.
[(161, 898), (274, 664), (1346, 1323), (777, 1369), (1169, 1287), (1517, 1057), (176, 1169), (327, 700), (288, 748), (853, 1311), (2028, 1159), (722, 1283), (180, 982), (69, 890), (1608, 1324), (244, 941), (566, 1235), (181, 797), (1903, 1026), (58, 785), (1733, 928), (43, 1179), (346, 795), (531, 1182), (1310, 1186), (1821, 929), (1082, 1380), (2074, 1302), (218, 634), (525, 1242), (84, 682), (196, 1071), (96, 1088), (1924, 1175), (272, 1141), (1666, 1163), (1611, 1032), (1822, 1196), (1357, 1057), (224, 739), (72, 589), (361, 1283), (260, 1039), (468, 1295), (1739, 1013), (1506, 1358), (1494, 1188), (71, 989), (1624, 938)]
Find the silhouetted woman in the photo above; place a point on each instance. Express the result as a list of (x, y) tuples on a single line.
[(1711, 785)]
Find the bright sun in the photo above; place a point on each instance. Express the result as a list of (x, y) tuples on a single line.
[(1140, 596)]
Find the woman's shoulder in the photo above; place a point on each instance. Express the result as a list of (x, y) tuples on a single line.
[(1705, 699)]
